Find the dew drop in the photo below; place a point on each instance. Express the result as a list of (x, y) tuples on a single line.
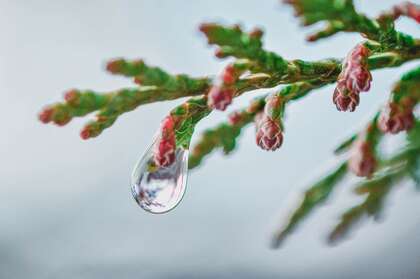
[(159, 189)]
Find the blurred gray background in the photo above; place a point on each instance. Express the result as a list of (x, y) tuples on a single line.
[(65, 205)]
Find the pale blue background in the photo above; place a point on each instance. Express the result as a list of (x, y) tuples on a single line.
[(65, 206)]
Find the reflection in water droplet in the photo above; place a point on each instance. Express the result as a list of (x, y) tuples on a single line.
[(159, 189)]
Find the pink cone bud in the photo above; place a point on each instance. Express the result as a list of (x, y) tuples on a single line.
[(394, 118), (359, 80), (219, 98), (222, 92), (345, 100), (269, 133), (46, 115), (85, 133), (362, 162), (164, 153), (229, 75), (353, 79), (355, 70)]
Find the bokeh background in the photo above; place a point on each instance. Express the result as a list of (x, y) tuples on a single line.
[(65, 205)]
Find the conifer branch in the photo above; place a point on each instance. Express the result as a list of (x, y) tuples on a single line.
[(225, 135), (377, 189), (389, 172), (252, 68), (341, 16), (111, 105)]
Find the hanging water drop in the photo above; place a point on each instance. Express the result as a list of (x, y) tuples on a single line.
[(159, 189)]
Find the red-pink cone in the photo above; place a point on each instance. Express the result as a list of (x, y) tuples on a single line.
[(229, 75), (164, 153), (219, 97), (353, 79), (345, 100), (269, 133), (356, 71)]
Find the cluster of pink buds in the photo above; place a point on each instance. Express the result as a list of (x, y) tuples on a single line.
[(221, 95), (49, 114), (164, 153), (362, 161), (269, 134), (408, 9), (396, 117), (353, 79)]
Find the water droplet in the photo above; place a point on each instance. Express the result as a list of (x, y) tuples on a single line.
[(159, 189)]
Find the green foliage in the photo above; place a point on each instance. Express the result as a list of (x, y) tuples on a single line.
[(312, 198), (340, 15), (345, 145), (377, 190), (223, 136), (403, 164), (188, 115), (232, 41), (310, 11)]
